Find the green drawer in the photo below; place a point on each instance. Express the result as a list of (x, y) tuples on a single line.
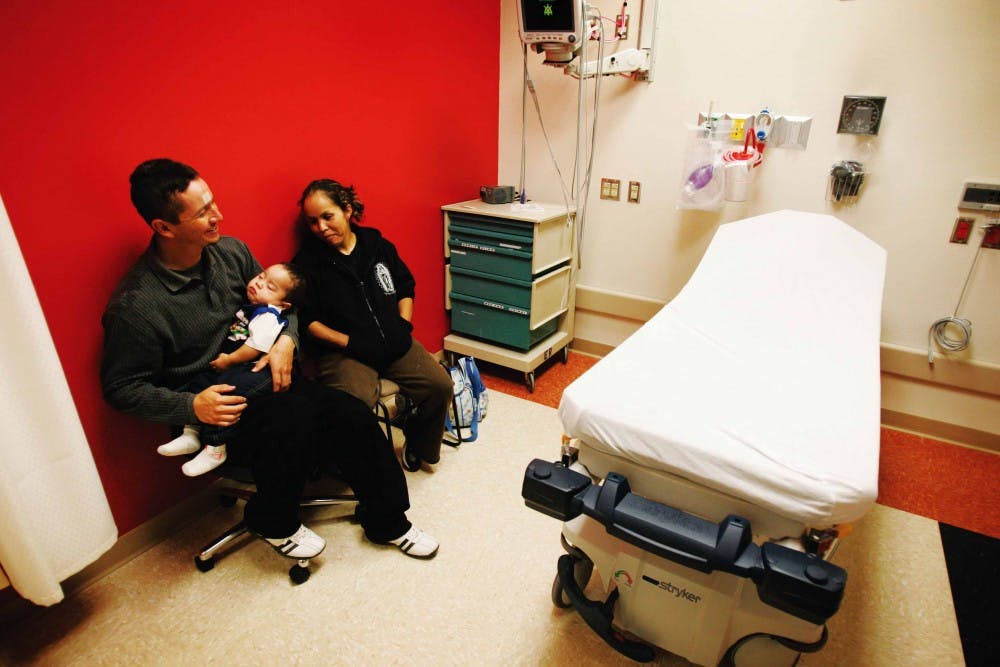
[(491, 237), (496, 322), (486, 257), (486, 223), (488, 286), (543, 297)]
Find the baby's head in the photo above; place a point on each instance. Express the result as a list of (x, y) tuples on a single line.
[(278, 285)]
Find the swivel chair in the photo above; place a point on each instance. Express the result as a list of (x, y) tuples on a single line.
[(205, 559)]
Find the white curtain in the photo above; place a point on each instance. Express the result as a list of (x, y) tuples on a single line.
[(54, 516)]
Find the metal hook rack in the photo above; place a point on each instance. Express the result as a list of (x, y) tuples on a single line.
[(847, 179)]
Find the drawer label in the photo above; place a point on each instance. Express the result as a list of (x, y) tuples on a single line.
[(502, 306), (473, 246)]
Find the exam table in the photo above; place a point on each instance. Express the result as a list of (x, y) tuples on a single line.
[(714, 459)]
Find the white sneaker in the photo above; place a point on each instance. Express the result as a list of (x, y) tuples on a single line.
[(304, 543), (208, 458), (186, 443), (416, 543)]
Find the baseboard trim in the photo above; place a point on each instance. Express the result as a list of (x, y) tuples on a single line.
[(616, 304), (938, 430), (590, 347), (967, 374)]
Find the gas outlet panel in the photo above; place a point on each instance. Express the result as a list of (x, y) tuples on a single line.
[(980, 197)]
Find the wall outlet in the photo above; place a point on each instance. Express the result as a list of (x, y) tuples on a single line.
[(633, 191), (621, 27), (609, 188), (962, 230), (991, 238)]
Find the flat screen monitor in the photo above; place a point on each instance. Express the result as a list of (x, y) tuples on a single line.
[(551, 21)]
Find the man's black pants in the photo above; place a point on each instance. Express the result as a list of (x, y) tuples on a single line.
[(287, 437)]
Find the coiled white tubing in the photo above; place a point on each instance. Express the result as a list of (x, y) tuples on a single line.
[(939, 333)]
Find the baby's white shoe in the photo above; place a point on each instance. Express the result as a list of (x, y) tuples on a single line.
[(187, 442), (208, 458)]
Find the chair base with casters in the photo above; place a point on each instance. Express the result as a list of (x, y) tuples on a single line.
[(299, 573)]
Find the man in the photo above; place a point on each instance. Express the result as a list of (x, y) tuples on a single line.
[(165, 323)]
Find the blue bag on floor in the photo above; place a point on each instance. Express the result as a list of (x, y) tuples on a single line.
[(469, 402), (482, 398)]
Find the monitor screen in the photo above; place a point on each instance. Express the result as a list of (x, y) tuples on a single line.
[(549, 15)]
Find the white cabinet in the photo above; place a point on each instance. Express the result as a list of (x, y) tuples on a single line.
[(509, 282)]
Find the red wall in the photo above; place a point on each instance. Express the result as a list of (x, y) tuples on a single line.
[(398, 98)]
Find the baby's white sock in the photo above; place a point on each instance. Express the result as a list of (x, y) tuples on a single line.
[(186, 443), (208, 458)]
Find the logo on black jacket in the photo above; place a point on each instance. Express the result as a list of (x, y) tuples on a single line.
[(384, 278)]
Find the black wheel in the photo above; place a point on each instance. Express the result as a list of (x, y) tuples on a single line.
[(204, 565), (299, 574), (227, 500), (582, 569), (529, 379)]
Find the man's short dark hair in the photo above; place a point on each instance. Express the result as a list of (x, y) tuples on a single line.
[(155, 186)]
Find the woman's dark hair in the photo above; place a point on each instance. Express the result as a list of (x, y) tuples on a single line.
[(341, 196)]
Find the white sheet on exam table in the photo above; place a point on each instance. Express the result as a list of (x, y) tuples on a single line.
[(761, 378)]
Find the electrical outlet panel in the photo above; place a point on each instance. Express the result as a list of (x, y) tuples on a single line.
[(963, 228), (991, 239), (621, 27), (610, 188), (633, 191)]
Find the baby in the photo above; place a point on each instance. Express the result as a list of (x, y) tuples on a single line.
[(255, 327)]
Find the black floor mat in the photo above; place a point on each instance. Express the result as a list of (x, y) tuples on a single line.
[(973, 562)]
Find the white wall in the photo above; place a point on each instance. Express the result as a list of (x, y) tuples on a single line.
[(937, 63)]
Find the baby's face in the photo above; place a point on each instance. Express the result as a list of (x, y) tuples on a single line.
[(271, 287)]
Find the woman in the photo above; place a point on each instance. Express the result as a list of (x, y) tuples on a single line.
[(357, 316)]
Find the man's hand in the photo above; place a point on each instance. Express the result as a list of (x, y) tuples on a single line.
[(221, 362), (280, 359), (214, 405)]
